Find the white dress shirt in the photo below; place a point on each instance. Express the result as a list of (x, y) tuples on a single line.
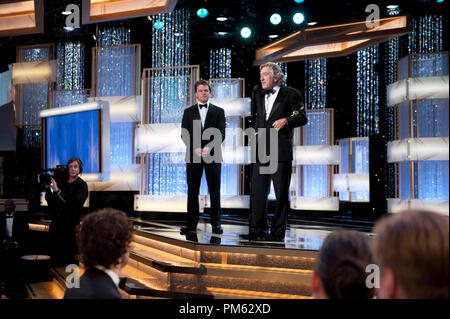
[(270, 100), (203, 111), (9, 226), (111, 274)]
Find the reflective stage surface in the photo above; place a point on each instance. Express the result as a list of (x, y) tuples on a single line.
[(300, 234)]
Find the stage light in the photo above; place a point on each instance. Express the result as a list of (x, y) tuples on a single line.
[(66, 13), (299, 1), (275, 19), (298, 18), (69, 29), (393, 9), (158, 25), (221, 19), (222, 33), (312, 23), (202, 13), (273, 36), (246, 32), (439, 1)]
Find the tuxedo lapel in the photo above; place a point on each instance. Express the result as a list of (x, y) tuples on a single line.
[(277, 103), (209, 116)]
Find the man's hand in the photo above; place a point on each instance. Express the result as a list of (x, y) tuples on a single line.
[(198, 152), (279, 124), (206, 151)]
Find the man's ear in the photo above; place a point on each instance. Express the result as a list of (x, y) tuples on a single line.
[(316, 285), (387, 288)]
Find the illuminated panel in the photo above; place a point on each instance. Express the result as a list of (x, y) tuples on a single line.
[(418, 89), (422, 149), (123, 108), (396, 205), (21, 17), (34, 72), (160, 203), (107, 10), (236, 155), (332, 41), (231, 201), (316, 155), (351, 183), (234, 107), (159, 138), (122, 178), (325, 203)]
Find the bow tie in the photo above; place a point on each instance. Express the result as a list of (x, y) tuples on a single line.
[(271, 91), (9, 216), (202, 105)]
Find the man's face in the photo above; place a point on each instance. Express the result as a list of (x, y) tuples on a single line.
[(268, 82), (202, 94), (74, 169), (9, 207)]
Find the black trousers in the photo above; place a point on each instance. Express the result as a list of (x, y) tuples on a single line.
[(259, 192), (194, 172)]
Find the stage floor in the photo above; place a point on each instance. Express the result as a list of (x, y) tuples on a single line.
[(304, 234)]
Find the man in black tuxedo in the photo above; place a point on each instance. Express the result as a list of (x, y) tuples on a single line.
[(104, 239), (280, 108), (14, 232), (203, 131)]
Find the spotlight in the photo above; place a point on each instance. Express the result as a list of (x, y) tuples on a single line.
[(202, 13), (275, 19), (68, 29), (273, 36), (246, 32), (222, 33), (66, 13), (393, 9), (221, 19), (312, 23), (299, 1), (439, 1), (158, 25), (298, 18)]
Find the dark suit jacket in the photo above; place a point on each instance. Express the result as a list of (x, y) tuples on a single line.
[(94, 284), (215, 118), (288, 104), (19, 231)]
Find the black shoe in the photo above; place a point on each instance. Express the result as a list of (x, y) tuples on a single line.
[(186, 229), (217, 229)]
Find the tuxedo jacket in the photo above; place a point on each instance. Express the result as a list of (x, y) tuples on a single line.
[(94, 284), (289, 105), (20, 228), (215, 118)]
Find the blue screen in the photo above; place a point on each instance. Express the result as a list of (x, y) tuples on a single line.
[(74, 135)]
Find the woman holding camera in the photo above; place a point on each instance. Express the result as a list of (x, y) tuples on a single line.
[(66, 204)]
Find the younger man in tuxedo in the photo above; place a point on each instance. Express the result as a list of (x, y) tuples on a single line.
[(201, 125)]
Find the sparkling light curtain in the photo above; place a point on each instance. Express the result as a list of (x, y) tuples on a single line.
[(70, 75), (315, 83), (33, 97), (367, 83), (116, 67), (5, 85), (169, 91), (220, 63)]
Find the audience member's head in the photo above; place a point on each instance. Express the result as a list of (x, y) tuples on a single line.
[(340, 270), (10, 206), (411, 249), (103, 239)]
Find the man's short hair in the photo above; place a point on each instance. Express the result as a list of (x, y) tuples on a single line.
[(341, 265), (202, 82), (276, 71), (414, 245), (103, 237)]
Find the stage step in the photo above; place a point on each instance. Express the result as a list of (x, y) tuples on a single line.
[(44, 290)]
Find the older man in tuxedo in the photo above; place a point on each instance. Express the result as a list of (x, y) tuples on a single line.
[(203, 131), (280, 108)]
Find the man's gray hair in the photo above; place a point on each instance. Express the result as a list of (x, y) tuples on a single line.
[(276, 71)]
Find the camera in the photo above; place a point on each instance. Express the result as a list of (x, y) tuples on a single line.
[(60, 174)]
